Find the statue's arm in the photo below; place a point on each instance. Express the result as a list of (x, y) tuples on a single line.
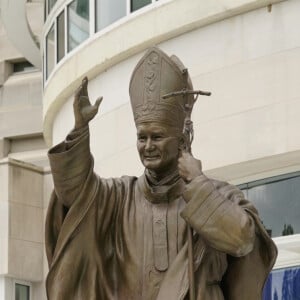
[(217, 211), (71, 161)]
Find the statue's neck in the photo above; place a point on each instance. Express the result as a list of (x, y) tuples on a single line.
[(159, 179)]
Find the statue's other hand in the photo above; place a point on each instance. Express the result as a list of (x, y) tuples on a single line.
[(84, 112), (189, 167)]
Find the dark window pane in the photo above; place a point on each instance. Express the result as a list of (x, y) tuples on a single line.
[(108, 11), (23, 66), (283, 284), (78, 23), (60, 36), (278, 204), (137, 4), (22, 292), (50, 52)]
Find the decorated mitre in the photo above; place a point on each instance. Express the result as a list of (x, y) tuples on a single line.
[(155, 76)]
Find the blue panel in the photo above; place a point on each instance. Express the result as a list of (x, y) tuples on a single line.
[(283, 284)]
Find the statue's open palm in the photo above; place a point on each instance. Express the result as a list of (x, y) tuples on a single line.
[(84, 112)]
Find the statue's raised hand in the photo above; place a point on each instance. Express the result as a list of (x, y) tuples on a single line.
[(84, 112), (189, 167)]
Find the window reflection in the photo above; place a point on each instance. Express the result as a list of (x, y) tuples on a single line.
[(108, 11), (22, 292), (283, 284), (137, 4), (76, 15), (277, 201), (60, 36), (78, 23), (50, 51)]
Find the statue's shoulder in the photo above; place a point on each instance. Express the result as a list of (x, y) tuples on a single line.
[(225, 187), (128, 178), (125, 181), (219, 183)]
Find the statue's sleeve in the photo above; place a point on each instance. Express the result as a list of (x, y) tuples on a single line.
[(71, 162), (80, 197), (219, 212)]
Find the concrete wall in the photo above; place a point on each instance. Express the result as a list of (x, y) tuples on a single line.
[(4, 219), (20, 93), (24, 176), (6, 288), (21, 105), (26, 224), (25, 191), (7, 50)]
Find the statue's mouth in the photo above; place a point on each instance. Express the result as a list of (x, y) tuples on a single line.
[(151, 157)]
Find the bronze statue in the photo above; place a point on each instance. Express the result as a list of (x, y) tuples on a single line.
[(127, 238)]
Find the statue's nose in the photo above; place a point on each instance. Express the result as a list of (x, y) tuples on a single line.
[(149, 145)]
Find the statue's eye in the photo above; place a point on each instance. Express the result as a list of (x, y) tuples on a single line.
[(141, 138), (157, 137)]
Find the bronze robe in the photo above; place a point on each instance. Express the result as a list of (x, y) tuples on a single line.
[(122, 239)]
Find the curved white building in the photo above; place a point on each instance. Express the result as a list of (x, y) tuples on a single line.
[(246, 52)]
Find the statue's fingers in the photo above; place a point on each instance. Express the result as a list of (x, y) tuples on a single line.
[(98, 102), (85, 86), (77, 94)]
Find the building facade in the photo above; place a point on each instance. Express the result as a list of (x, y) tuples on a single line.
[(246, 52), (23, 161)]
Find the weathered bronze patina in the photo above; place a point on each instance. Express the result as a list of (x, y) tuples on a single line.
[(127, 238)]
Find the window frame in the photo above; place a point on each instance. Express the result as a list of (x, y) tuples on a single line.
[(287, 243), (21, 282), (62, 12), (90, 15), (268, 180), (58, 8), (53, 26)]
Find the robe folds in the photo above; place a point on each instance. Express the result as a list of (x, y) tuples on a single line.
[(121, 238)]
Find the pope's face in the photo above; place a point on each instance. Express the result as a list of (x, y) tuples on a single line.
[(158, 147)]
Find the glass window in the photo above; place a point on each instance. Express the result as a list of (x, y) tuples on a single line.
[(283, 284), (277, 201), (23, 66), (22, 292), (60, 36), (108, 11), (137, 4), (50, 52), (51, 4), (78, 23)]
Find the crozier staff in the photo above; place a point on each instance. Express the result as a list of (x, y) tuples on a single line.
[(126, 238)]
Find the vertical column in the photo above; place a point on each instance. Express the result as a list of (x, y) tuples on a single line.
[(4, 217)]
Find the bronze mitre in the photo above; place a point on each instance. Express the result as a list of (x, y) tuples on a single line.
[(156, 75)]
